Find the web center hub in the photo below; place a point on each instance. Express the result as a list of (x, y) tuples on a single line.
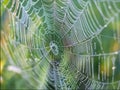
[(54, 48)]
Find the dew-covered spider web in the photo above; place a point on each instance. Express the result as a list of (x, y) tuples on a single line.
[(65, 44)]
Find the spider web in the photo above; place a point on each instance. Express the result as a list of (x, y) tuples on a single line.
[(66, 44)]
